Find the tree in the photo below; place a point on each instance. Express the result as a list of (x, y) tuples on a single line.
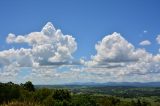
[(29, 86), (61, 95), (138, 103), (9, 91)]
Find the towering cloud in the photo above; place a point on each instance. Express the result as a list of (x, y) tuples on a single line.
[(116, 56), (47, 47), (114, 48)]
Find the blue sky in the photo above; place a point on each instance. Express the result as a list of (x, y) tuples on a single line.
[(88, 21)]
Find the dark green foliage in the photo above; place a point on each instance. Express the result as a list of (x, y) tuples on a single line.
[(42, 94), (108, 101), (28, 86), (8, 92), (83, 100), (61, 94), (120, 91), (49, 101), (140, 103)]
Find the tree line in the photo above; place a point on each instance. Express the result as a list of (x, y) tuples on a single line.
[(26, 95)]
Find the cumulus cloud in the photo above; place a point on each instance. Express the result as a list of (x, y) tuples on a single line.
[(11, 38), (49, 56), (145, 43), (47, 47), (116, 56), (116, 60), (22, 57), (114, 48)]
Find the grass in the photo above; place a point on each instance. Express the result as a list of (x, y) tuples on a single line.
[(16, 103)]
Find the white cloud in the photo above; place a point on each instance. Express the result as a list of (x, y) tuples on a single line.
[(145, 43), (117, 57), (49, 57), (22, 57), (114, 48), (116, 60), (158, 39), (48, 47), (11, 38)]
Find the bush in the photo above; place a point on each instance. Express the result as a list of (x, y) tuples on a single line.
[(42, 94), (61, 95), (8, 92), (49, 101), (83, 100), (28, 86)]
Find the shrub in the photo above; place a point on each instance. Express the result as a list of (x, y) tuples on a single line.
[(61, 95), (42, 94)]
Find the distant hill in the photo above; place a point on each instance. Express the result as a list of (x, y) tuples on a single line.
[(94, 84), (136, 84)]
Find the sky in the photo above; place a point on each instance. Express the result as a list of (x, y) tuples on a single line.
[(66, 41)]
